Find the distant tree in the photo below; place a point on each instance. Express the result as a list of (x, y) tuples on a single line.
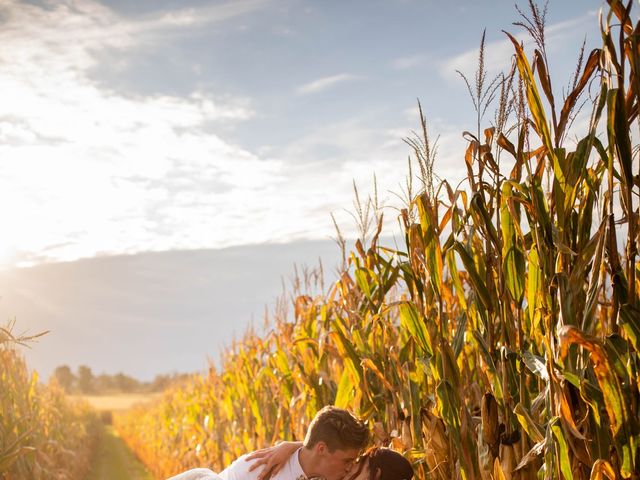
[(85, 379), (88, 383), (159, 383), (125, 383), (65, 377), (104, 383), (163, 381)]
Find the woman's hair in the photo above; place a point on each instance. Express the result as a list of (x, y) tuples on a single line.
[(391, 464)]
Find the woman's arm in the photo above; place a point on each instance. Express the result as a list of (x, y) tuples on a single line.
[(272, 458)]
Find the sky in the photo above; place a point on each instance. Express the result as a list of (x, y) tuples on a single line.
[(153, 152)]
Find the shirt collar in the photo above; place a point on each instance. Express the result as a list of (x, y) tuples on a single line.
[(296, 467)]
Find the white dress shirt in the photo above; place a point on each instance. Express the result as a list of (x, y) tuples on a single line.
[(239, 470)]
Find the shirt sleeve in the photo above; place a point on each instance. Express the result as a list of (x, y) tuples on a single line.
[(239, 470)]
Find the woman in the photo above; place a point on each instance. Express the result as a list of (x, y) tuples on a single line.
[(375, 464), (380, 463)]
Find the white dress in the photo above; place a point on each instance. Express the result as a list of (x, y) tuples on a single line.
[(239, 470), (197, 474)]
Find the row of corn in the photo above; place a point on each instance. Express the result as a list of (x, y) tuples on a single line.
[(42, 434), (501, 339)]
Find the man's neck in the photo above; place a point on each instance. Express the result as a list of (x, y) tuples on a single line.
[(308, 462)]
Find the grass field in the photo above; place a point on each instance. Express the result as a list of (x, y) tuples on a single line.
[(117, 403), (113, 460)]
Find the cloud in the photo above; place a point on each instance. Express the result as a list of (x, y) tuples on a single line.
[(189, 17), (91, 171), (324, 83), (88, 170), (327, 160), (498, 54), (409, 62), (72, 148)]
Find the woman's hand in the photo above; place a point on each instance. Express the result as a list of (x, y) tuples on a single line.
[(272, 458)]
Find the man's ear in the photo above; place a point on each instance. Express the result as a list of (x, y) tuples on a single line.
[(321, 448)]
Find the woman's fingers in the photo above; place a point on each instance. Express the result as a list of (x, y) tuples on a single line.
[(267, 461), (258, 463), (272, 459), (261, 457), (259, 454), (263, 452)]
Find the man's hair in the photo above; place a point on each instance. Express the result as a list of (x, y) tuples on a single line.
[(338, 429)]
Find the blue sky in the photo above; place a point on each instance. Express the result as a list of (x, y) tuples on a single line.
[(130, 127)]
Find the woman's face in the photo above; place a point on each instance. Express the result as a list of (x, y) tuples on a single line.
[(361, 471)]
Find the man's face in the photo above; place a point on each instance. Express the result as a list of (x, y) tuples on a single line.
[(335, 465)]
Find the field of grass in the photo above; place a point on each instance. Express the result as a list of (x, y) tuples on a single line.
[(113, 460), (118, 402)]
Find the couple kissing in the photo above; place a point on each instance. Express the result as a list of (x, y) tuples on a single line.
[(331, 450)]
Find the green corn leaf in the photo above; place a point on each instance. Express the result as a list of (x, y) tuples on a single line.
[(458, 340), (344, 395), (413, 322), (494, 377), (455, 278), (514, 268), (618, 126), (362, 279), (623, 426), (563, 449), (449, 407), (533, 97), (630, 321), (349, 354), (478, 284), (534, 284), (527, 423)]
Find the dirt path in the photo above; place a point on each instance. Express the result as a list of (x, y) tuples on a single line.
[(113, 460)]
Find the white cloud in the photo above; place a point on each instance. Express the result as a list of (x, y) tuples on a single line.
[(498, 54), (324, 83), (87, 170), (73, 149), (409, 62), (193, 17), (326, 162), (497, 58)]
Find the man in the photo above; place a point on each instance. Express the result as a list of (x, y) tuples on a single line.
[(333, 442)]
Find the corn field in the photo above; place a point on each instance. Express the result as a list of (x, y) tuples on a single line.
[(501, 340), (42, 434)]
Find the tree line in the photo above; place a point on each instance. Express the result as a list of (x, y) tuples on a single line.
[(83, 381)]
